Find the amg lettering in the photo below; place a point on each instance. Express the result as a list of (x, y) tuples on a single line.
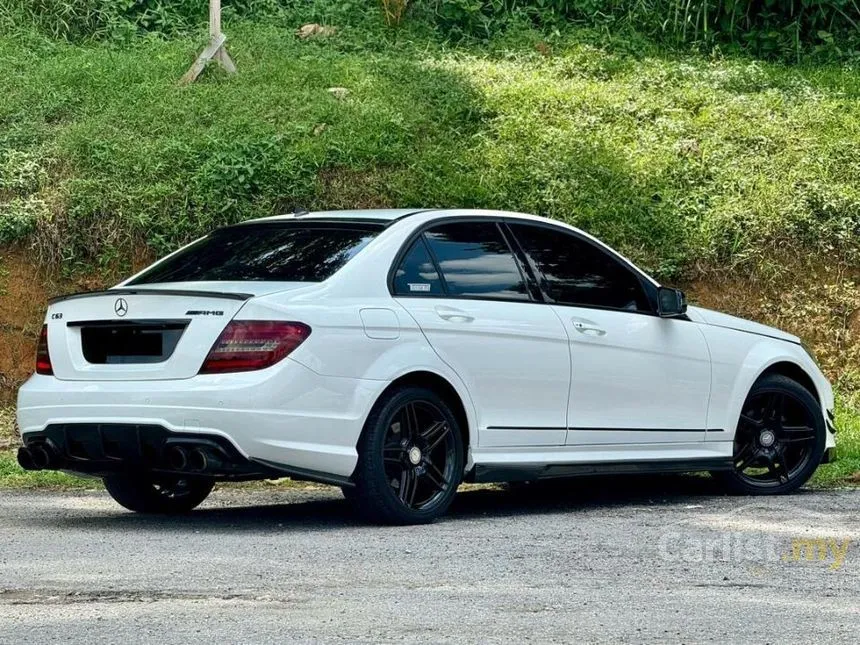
[(200, 312)]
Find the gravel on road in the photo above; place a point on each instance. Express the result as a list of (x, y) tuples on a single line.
[(663, 559)]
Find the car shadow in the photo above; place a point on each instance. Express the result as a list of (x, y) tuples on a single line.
[(327, 510)]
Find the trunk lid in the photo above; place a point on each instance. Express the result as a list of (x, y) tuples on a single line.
[(136, 333)]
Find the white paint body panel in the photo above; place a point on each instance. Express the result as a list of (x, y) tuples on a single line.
[(636, 378), (523, 371), (514, 360)]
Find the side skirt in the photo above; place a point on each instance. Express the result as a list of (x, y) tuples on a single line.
[(487, 473)]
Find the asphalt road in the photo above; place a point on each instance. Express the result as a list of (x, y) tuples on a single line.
[(657, 560)]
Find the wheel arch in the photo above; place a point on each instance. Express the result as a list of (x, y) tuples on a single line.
[(758, 366), (795, 372), (449, 393)]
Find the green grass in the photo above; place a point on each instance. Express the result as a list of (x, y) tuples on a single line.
[(13, 476), (681, 162), (846, 468)]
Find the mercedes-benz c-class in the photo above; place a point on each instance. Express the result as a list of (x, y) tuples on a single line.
[(398, 353)]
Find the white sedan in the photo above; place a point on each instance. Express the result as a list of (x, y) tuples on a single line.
[(398, 353)]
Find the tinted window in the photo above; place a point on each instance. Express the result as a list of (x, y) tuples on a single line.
[(575, 272), (291, 253), (475, 261), (416, 274)]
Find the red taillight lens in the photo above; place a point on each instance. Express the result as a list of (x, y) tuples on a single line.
[(253, 345), (43, 358)]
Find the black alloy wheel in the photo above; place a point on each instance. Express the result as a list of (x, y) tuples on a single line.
[(419, 454), (779, 440), (410, 458)]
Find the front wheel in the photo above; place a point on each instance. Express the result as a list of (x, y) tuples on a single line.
[(167, 495), (779, 440), (410, 458)]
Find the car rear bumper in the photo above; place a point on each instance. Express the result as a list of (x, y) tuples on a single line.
[(286, 417)]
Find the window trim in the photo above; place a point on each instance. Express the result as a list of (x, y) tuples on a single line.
[(648, 289), (419, 233)]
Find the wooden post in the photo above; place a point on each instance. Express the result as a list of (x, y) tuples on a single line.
[(215, 50)]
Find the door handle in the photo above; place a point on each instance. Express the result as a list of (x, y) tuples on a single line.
[(588, 328), (452, 314)]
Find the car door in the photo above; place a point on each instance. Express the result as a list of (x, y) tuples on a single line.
[(636, 377), (469, 294)]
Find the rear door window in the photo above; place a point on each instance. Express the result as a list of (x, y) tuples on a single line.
[(310, 252), (476, 261)]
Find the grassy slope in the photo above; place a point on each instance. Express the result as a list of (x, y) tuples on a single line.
[(680, 162)]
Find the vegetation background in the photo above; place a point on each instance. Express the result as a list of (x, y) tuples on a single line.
[(715, 142)]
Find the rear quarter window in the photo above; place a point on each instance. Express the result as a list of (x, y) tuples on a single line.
[(267, 252)]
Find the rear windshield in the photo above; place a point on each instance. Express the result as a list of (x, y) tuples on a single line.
[(270, 252)]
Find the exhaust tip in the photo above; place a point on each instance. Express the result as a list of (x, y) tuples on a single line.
[(25, 459), (43, 457), (198, 460), (177, 458)]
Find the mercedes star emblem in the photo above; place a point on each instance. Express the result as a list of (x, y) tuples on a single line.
[(120, 307)]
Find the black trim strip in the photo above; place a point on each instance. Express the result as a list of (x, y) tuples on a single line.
[(525, 428), (486, 473), (608, 429), (123, 291), (122, 322), (702, 430)]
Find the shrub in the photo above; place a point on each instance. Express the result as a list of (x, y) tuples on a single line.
[(77, 20), (767, 27)]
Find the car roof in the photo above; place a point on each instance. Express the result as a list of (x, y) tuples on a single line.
[(381, 215), (388, 216)]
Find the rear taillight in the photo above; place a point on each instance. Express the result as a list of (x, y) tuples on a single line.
[(43, 357), (253, 345)]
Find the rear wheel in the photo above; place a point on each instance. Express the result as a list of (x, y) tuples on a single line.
[(779, 440), (148, 494), (410, 458)]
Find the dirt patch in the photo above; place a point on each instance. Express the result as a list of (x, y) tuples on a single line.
[(24, 294), (815, 299)]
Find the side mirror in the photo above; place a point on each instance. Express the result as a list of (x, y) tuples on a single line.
[(672, 302)]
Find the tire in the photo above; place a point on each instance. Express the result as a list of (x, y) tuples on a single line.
[(779, 441), (164, 495), (410, 459)]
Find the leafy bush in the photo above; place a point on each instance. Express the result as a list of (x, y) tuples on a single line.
[(100, 19), (775, 28), (767, 27)]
